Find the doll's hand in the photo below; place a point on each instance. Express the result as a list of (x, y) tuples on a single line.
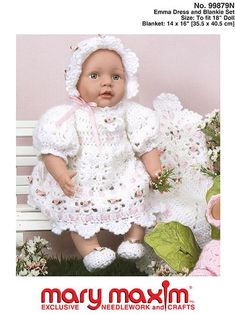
[(66, 183), (163, 178), (157, 173)]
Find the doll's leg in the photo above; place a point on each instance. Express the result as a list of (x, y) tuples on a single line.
[(84, 246), (94, 256), (135, 234), (132, 247)]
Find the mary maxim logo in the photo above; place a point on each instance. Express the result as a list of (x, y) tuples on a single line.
[(165, 298)]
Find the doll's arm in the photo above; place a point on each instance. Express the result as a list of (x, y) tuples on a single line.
[(152, 163), (56, 166)]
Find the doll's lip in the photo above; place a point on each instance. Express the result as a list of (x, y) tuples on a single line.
[(106, 94)]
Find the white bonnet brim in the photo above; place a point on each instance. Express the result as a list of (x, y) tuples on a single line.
[(86, 47)]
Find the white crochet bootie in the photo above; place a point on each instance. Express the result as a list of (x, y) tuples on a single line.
[(131, 250), (99, 258)]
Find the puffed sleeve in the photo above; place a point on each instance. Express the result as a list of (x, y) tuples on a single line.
[(142, 128), (59, 140)]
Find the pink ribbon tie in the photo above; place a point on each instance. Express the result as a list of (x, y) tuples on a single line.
[(81, 102)]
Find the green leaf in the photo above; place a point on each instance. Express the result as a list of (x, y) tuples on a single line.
[(175, 244), (215, 233), (214, 190)]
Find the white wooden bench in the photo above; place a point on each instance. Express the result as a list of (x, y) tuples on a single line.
[(27, 218)]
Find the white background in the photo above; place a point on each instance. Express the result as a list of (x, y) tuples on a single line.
[(22, 295)]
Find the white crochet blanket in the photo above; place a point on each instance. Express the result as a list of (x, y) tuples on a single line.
[(185, 150)]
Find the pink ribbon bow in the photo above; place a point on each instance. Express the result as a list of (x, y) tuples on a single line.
[(81, 102)]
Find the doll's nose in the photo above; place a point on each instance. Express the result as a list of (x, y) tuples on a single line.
[(106, 81)]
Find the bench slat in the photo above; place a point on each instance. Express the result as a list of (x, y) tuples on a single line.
[(22, 180), (25, 208), (26, 123), (22, 189), (31, 216), (32, 225), (26, 161), (25, 151), (24, 132)]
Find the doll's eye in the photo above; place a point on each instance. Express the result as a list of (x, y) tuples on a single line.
[(116, 77), (93, 76)]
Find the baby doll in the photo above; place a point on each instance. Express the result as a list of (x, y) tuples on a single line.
[(209, 260), (98, 154)]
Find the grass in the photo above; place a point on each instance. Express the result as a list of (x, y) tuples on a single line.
[(74, 267)]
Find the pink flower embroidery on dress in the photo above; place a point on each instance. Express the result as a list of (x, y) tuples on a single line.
[(139, 193), (193, 148), (85, 203), (56, 201), (40, 193), (114, 200), (109, 119)]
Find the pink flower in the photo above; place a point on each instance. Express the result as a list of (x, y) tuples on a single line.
[(40, 193), (109, 120), (193, 148), (210, 167), (56, 201), (85, 203), (112, 200), (139, 193)]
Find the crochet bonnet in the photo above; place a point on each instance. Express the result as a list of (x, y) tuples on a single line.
[(87, 47)]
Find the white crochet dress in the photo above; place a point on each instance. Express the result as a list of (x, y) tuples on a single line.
[(185, 150), (112, 185)]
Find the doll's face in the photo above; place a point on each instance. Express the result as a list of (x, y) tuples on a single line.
[(102, 79)]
